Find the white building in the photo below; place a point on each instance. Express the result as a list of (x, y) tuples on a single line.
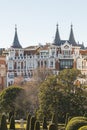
[(56, 56)]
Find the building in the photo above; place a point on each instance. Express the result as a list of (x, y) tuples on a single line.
[(3, 70), (61, 54)]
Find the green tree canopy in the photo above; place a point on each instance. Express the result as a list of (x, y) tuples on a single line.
[(67, 77), (59, 94), (7, 98)]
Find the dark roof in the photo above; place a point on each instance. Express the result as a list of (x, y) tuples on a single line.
[(71, 37), (58, 41), (57, 37), (16, 43), (81, 46)]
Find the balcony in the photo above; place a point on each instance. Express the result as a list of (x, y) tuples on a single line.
[(60, 56), (11, 76)]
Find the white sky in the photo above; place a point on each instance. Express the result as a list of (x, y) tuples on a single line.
[(36, 20)]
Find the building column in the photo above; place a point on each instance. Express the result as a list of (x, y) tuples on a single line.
[(74, 64)]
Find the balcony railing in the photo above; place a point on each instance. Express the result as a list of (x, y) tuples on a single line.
[(60, 56)]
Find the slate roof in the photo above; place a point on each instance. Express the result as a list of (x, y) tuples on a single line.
[(82, 46), (71, 37), (16, 43), (71, 40), (57, 37)]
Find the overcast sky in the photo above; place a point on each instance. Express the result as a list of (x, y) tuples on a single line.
[(36, 20)]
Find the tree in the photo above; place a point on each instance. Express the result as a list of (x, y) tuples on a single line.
[(12, 123), (29, 98), (67, 78), (37, 125), (3, 123), (11, 113), (32, 122), (28, 122), (49, 96), (44, 124), (41, 74), (30, 94), (7, 98), (60, 94)]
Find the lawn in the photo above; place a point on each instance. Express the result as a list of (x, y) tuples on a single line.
[(18, 125)]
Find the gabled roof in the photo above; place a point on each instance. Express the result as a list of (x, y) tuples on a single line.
[(71, 37), (16, 43), (57, 37)]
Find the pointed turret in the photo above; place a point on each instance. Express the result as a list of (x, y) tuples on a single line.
[(57, 37), (71, 37), (16, 43)]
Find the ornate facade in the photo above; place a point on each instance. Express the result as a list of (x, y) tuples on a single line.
[(56, 56)]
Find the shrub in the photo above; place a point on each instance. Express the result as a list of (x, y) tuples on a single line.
[(32, 122), (52, 127), (3, 123), (83, 128), (79, 118), (28, 122), (44, 123), (12, 123), (37, 125), (75, 124), (11, 113), (85, 114)]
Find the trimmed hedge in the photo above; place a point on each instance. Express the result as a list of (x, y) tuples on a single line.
[(75, 124), (44, 123), (37, 125), (83, 128), (32, 122), (3, 123), (28, 122), (52, 127), (79, 118), (12, 123)]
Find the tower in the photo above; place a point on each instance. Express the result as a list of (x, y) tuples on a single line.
[(16, 43), (71, 37), (57, 37)]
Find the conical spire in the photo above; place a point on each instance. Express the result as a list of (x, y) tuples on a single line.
[(71, 37), (57, 37), (16, 43)]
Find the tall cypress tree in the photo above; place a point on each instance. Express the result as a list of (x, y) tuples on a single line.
[(37, 125), (32, 122), (11, 113), (28, 122), (12, 123), (3, 123), (44, 123)]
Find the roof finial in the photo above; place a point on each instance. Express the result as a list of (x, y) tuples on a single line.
[(71, 25), (57, 25), (15, 27)]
